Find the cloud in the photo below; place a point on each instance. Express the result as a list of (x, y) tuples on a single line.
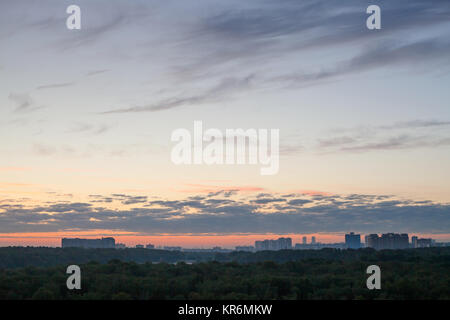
[(85, 127), (400, 142), (96, 72), (416, 124), (43, 150), (299, 202), (220, 190), (219, 92), (259, 34), (381, 55), (268, 200), (134, 200), (336, 141), (242, 46), (403, 135), (217, 214), (23, 102), (274, 19), (55, 85), (249, 40)]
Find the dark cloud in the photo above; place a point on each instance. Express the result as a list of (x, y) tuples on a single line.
[(336, 213), (119, 197), (299, 202), (273, 19), (134, 200), (268, 200)]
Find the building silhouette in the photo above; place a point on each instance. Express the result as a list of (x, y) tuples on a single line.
[(279, 244), (372, 241), (353, 241), (414, 241), (388, 241), (88, 243), (424, 243)]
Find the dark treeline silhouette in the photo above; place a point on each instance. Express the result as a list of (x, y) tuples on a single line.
[(314, 274), (19, 257)]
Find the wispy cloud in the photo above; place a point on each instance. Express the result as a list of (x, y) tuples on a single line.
[(416, 124), (55, 85), (222, 90), (219, 189), (399, 142), (23, 102), (396, 136), (96, 72), (85, 127), (382, 54)]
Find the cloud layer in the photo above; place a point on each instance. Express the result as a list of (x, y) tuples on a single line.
[(228, 212)]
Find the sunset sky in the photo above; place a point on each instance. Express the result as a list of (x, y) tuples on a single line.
[(86, 118)]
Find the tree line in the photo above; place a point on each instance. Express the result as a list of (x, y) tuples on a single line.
[(314, 274)]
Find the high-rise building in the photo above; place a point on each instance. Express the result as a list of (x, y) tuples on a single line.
[(304, 240), (414, 241), (372, 241), (388, 241), (424, 243), (353, 241), (88, 243), (313, 240), (284, 243), (279, 244), (394, 241), (417, 242), (259, 245)]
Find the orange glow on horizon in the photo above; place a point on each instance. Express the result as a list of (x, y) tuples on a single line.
[(53, 239)]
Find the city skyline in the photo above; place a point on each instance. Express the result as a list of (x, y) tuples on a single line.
[(351, 241), (234, 241)]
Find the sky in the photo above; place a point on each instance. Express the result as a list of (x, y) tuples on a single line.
[(86, 118)]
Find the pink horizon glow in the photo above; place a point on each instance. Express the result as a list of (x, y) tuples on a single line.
[(183, 240)]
